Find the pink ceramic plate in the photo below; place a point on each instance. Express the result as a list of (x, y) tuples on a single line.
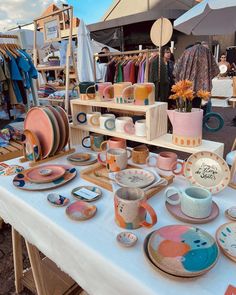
[(38, 121), (66, 123), (32, 145), (81, 210), (35, 174)]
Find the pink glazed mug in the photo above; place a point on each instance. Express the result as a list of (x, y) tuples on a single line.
[(99, 89), (164, 161)]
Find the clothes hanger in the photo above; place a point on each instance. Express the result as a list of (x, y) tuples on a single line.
[(3, 51)]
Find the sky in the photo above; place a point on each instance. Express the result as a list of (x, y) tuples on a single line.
[(14, 12)]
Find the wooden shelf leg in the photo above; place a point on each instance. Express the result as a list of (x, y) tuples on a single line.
[(36, 266), (18, 259)]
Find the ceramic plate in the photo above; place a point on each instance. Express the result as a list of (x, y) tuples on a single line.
[(92, 160), (66, 124), (226, 239), (79, 157), (7, 170), (176, 211), (183, 250), (37, 174), (231, 213), (81, 211), (44, 131), (32, 145), (136, 178), (21, 181), (57, 200), (207, 170), (126, 239), (85, 196)]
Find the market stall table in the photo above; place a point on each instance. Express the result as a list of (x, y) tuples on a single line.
[(88, 250)]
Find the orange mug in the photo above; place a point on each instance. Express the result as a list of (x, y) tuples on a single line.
[(116, 159)]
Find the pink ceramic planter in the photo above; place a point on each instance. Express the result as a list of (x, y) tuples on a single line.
[(187, 127)]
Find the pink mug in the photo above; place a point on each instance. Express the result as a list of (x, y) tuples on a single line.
[(114, 143), (164, 161), (99, 89)]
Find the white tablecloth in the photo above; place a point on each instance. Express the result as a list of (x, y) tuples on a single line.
[(88, 250), (222, 87)]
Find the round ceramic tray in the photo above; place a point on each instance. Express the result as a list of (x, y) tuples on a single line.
[(226, 239), (36, 174), (94, 189), (32, 145), (22, 182), (57, 200), (79, 157), (231, 213), (207, 170), (92, 160), (183, 250), (66, 124), (176, 211), (44, 131), (136, 178), (81, 211)]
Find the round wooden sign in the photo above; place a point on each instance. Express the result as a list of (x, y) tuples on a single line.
[(161, 32)]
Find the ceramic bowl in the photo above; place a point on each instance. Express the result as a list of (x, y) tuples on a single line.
[(45, 172), (231, 213), (80, 211), (57, 200), (126, 239)]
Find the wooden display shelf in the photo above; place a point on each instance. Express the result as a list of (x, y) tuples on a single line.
[(13, 150), (164, 141), (50, 68)]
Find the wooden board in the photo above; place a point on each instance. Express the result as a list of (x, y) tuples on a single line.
[(104, 181), (13, 150)]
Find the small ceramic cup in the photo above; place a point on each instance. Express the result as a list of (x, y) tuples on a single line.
[(164, 161), (116, 159), (93, 118), (93, 141), (83, 89), (131, 208), (99, 89), (194, 201), (121, 122), (118, 89), (139, 128), (113, 142), (140, 154), (107, 121)]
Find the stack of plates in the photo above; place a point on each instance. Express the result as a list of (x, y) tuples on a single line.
[(51, 127), (82, 159), (44, 177), (181, 250)]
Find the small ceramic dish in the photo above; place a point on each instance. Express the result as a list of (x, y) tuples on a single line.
[(57, 200), (231, 213), (79, 157), (126, 239), (83, 193), (45, 172), (81, 211)]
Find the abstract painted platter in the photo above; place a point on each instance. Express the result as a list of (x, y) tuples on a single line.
[(226, 239), (21, 181), (136, 178), (38, 175), (81, 211), (183, 250), (207, 170), (7, 170)]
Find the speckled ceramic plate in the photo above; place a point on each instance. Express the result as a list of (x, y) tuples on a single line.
[(57, 200), (183, 250), (136, 178), (22, 182), (81, 211), (226, 239), (207, 170)]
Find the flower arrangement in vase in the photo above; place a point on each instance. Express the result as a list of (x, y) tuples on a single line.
[(186, 120)]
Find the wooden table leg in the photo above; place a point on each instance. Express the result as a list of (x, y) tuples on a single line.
[(36, 266), (1, 223), (18, 259)]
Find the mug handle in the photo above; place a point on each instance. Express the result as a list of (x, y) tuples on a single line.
[(152, 214), (149, 157), (84, 145), (172, 190), (129, 151), (83, 116), (217, 117), (105, 93), (103, 144), (89, 94), (100, 159), (94, 120), (131, 100), (173, 168)]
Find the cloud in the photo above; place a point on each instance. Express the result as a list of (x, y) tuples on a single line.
[(14, 12)]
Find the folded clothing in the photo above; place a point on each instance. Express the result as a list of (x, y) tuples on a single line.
[(45, 90), (62, 93)]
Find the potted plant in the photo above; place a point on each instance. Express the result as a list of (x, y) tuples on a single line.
[(186, 120)]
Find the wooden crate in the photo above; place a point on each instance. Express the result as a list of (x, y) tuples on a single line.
[(13, 150)]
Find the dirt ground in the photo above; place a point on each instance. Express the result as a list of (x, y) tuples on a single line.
[(226, 135)]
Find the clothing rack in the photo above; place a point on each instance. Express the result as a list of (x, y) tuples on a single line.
[(147, 51)]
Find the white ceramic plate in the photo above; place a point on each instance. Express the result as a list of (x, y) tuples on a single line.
[(136, 178), (226, 239)]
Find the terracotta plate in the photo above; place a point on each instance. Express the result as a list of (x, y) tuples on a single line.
[(136, 178), (44, 131), (207, 170), (81, 211), (32, 145), (183, 250), (22, 182), (226, 239), (66, 123), (35, 174)]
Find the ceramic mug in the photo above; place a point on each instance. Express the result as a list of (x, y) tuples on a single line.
[(140, 154), (141, 93), (107, 121), (116, 159), (83, 86), (113, 142), (131, 208), (121, 122), (99, 89), (93, 118), (94, 140), (139, 128), (164, 161), (118, 89), (194, 201)]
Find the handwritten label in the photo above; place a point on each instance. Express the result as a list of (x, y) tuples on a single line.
[(207, 171), (85, 193)]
